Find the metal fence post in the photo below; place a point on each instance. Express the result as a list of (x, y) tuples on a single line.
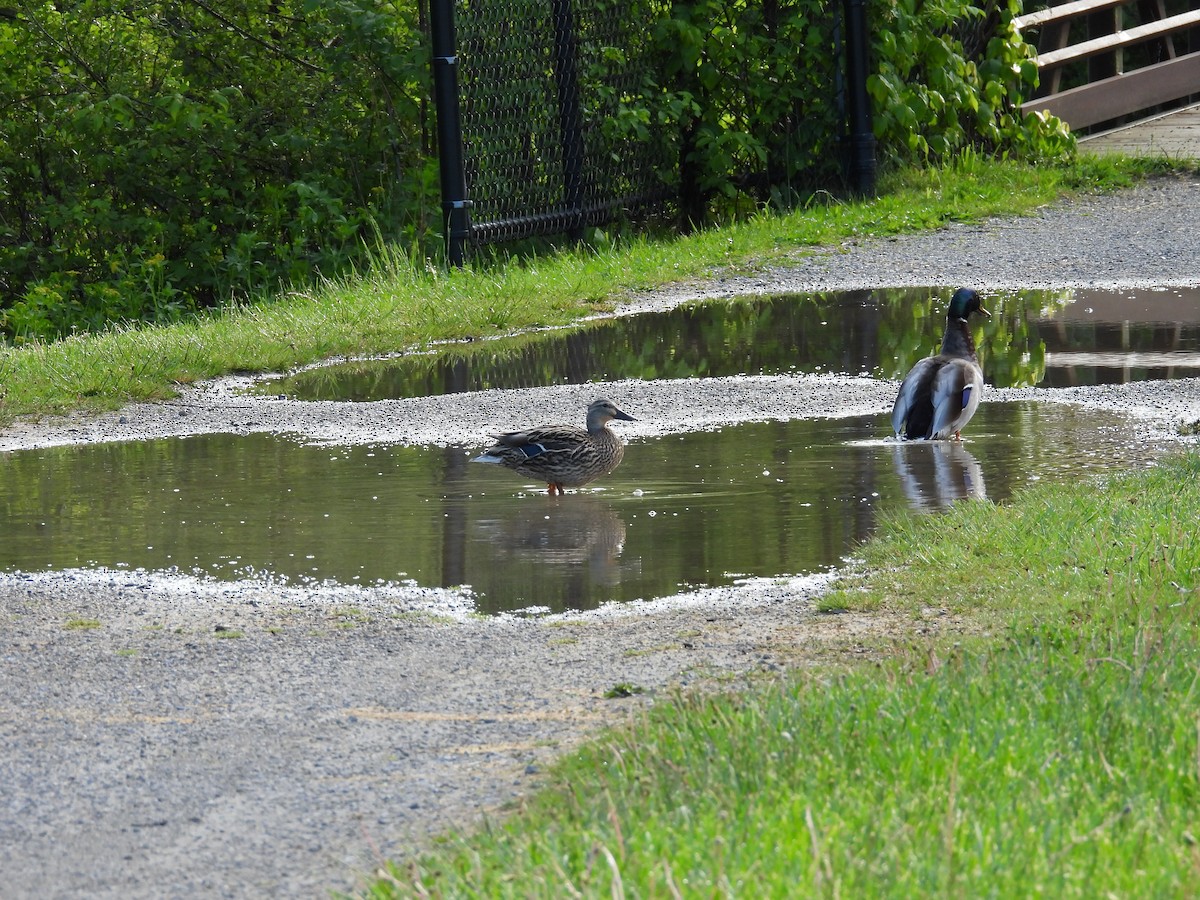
[(862, 138), (570, 119), (456, 216)]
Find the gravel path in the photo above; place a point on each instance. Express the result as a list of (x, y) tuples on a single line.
[(154, 756)]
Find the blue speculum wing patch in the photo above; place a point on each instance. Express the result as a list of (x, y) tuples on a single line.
[(532, 450), (966, 396)]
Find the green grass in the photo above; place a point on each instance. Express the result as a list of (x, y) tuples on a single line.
[(1059, 756), (1047, 556), (401, 303), (622, 690), (82, 624)]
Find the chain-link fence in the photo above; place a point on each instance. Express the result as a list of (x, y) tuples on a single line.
[(541, 89), (579, 112)]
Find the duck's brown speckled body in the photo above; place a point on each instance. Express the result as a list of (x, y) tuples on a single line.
[(563, 456)]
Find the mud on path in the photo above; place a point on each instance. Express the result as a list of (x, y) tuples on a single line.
[(239, 740)]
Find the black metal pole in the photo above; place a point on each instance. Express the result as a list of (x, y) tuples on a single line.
[(862, 138), (456, 216), (570, 119)]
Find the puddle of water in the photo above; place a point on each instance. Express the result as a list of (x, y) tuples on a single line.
[(762, 499), (1049, 338), (1116, 337)]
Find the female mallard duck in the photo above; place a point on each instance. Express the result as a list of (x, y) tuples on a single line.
[(563, 455), (940, 393)]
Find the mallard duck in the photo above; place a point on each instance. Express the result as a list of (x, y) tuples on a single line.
[(940, 393), (563, 455)]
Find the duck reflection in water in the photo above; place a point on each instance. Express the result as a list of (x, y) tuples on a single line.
[(584, 534), (936, 474)]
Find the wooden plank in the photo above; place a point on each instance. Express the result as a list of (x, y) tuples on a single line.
[(1123, 94), (1119, 39), (1175, 135), (1054, 36), (1064, 11)]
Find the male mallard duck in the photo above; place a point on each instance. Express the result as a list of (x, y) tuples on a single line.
[(940, 393), (563, 455)]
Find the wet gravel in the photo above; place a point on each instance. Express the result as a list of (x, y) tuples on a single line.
[(168, 737)]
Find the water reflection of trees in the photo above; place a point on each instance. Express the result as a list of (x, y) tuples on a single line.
[(1010, 347), (880, 332)]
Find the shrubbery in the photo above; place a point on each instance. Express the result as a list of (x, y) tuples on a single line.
[(748, 90), (158, 157), (931, 99)]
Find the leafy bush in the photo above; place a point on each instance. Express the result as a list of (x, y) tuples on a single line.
[(158, 157), (748, 93), (932, 100), (745, 94)]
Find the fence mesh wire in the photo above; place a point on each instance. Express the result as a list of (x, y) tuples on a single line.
[(539, 82), (553, 100)]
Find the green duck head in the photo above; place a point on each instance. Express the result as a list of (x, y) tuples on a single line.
[(964, 302)]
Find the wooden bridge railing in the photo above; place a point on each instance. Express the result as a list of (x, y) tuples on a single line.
[(1162, 66)]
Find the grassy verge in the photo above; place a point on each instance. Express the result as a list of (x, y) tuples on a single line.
[(400, 303), (1058, 757)]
